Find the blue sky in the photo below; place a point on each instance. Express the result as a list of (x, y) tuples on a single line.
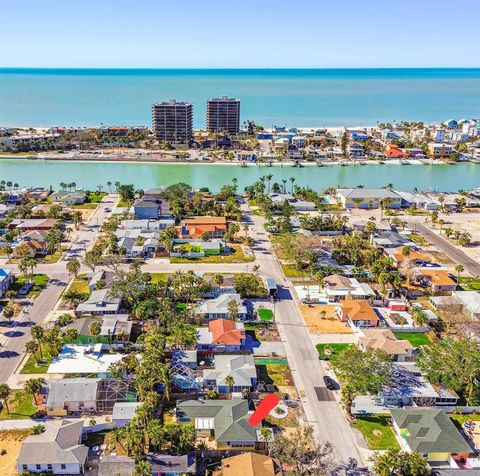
[(247, 33)]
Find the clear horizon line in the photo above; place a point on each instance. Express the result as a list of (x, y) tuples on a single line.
[(315, 68)]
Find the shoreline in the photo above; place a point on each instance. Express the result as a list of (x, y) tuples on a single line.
[(240, 164)]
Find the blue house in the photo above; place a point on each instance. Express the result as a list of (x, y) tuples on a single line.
[(146, 210), (6, 279)]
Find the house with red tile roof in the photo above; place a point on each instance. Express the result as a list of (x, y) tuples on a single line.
[(222, 335), (358, 313), (394, 152)]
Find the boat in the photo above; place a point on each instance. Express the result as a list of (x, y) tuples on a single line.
[(405, 162), (363, 163)]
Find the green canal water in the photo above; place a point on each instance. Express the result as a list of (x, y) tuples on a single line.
[(92, 174)]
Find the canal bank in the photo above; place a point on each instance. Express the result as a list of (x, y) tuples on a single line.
[(91, 174)]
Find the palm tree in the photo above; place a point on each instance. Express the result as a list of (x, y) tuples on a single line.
[(459, 269), (34, 386), (94, 328), (230, 382), (142, 468), (115, 437), (38, 333), (32, 347), (292, 179), (232, 308), (266, 436), (4, 394), (348, 396), (269, 178), (166, 377), (109, 185)]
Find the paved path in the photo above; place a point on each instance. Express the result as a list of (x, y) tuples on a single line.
[(36, 310), (326, 417), (450, 250)]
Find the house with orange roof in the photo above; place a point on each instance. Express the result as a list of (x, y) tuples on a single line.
[(250, 464), (394, 152), (417, 258), (357, 313), (437, 280), (195, 227), (222, 335)]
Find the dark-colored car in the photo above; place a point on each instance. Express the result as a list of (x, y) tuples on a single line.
[(329, 382)]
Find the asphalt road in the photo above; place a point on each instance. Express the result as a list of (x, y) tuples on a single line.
[(36, 310), (450, 250), (326, 417)]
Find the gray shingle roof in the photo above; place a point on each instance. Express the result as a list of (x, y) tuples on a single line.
[(430, 431), (71, 390)]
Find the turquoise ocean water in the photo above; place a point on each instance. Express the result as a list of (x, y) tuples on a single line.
[(332, 97)]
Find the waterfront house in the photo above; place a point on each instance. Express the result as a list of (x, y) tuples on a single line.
[(418, 200), (368, 198), (99, 303), (6, 279), (219, 307), (385, 340), (440, 151), (58, 450), (356, 150), (146, 209), (67, 199), (431, 433), (357, 313), (240, 367), (338, 287), (439, 135), (394, 152), (222, 335), (226, 421), (295, 203), (416, 258)]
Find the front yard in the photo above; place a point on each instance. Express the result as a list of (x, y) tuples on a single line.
[(34, 367), (415, 338), (39, 283), (290, 271), (469, 284), (377, 432), (20, 405), (275, 374), (325, 351)]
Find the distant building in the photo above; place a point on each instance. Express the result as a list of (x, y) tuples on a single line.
[(172, 121), (437, 150), (223, 115)]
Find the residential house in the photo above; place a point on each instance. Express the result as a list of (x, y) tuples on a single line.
[(218, 308), (431, 433), (240, 367), (172, 465), (27, 224), (295, 203), (6, 279), (468, 301), (94, 278), (146, 209), (116, 327), (187, 358), (58, 450), (394, 152), (70, 395), (416, 258), (30, 249), (116, 465), (67, 199), (99, 303), (224, 420), (86, 359), (368, 198), (357, 313), (195, 227), (151, 225), (197, 248), (123, 413), (391, 239), (408, 387), (138, 243), (222, 335), (418, 200), (338, 287), (440, 151), (385, 340), (356, 150), (250, 464), (437, 280)]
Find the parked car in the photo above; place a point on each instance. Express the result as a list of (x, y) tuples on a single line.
[(329, 382), (25, 289)]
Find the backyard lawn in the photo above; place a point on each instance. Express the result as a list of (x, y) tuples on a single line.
[(39, 283), (32, 367), (325, 351), (237, 256), (290, 271), (276, 374), (469, 284), (415, 338), (376, 431), (265, 314), (459, 420), (20, 405)]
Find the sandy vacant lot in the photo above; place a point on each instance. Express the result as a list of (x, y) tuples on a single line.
[(11, 441), (321, 319)]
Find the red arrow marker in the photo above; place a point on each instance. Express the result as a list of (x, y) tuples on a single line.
[(265, 407)]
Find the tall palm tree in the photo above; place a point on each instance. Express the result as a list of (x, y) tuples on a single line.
[(292, 179), (166, 377), (38, 333)]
